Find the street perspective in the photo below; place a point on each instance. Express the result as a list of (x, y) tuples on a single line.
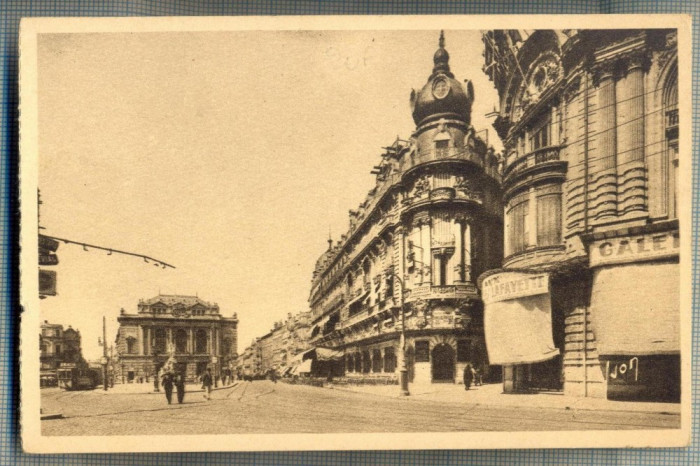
[(459, 232)]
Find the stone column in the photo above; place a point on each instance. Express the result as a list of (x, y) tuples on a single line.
[(143, 341), (210, 342), (466, 251), (458, 256), (169, 339), (147, 341), (425, 251), (190, 335), (630, 161), (603, 186)]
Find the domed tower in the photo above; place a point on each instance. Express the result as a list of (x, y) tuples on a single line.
[(442, 96), (451, 224)]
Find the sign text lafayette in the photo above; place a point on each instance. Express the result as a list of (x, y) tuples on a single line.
[(628, 249), (510, 285)]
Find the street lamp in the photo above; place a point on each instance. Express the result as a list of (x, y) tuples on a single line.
[(403, 369)]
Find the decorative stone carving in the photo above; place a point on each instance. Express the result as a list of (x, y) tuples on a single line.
[(421, 186), (466, 187)]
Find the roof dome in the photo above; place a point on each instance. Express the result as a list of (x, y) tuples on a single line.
[(442, 96)]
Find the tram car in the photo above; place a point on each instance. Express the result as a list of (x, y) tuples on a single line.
[(77, 378)]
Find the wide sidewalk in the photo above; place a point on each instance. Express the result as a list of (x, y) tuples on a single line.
[(492, 395), (487, 395)]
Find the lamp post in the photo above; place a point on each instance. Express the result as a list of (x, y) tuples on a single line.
[(403, 368)]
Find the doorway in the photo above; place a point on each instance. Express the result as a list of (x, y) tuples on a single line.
[(443, 363)]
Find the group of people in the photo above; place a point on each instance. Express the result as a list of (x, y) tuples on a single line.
[(471, 375), (171, 379)]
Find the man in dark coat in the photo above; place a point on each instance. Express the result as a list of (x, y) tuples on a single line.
[(468, 376), (180, 387), (168, 386), (207, 381)]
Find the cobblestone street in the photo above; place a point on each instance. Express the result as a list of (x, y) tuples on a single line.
[(265, 407)]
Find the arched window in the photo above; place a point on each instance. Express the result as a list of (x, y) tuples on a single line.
[(442, 144), (181, 341), (670, 105), (130, 345), (200, 341)]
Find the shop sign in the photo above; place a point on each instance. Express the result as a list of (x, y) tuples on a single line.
[(47, 243), (510, 285), (623, 371), (48, 259), (635, 248), (47, 282)]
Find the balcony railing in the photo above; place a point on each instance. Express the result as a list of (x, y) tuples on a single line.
[(442, 292), (536, 157)]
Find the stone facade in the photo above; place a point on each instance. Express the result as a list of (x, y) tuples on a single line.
[(276, 349), (186, 326), (589, 123), (414, 247)]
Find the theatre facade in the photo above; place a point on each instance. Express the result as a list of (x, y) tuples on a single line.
[(587, 297), (415, 245), (188, 328)]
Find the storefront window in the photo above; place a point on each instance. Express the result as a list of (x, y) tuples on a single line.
[(376, 361), (389, 360)]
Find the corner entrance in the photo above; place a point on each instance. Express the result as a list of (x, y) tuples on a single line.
[(443, 363)]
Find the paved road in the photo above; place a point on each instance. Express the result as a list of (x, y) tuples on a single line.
[(264, 407)]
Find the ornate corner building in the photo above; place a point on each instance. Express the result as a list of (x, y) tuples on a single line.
[(57, 346), (434, 221), (191, 329), (589, 122)]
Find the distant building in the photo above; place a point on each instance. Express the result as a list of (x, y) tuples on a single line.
[(415, 246), (57, 346), (589, 123), (277, 348), (191, 328)]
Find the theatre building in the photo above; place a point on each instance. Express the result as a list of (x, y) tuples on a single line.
[(587, 297), (191, 329), (414, 248)]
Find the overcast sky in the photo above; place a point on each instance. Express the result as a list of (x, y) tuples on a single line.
[(227, 154)]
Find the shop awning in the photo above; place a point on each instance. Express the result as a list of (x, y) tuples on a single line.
[(327, 354), (320, 354), (304, 367), (519, 331), (635, 310)]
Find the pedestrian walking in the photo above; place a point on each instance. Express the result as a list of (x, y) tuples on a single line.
[(167, 384), (180, 387), (468, 376), (206, 384)]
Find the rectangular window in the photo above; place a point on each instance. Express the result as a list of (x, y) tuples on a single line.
[(548, 215), (463, 350), (423, 351), (441, 148), (517, 223), (540, 135)]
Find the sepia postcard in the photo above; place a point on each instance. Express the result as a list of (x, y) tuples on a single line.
[(297, 233)]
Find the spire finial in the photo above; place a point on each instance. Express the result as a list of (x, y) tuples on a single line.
[(330, 239), (441, 42)]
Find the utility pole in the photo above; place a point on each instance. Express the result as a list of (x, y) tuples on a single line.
[(104, 352)]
